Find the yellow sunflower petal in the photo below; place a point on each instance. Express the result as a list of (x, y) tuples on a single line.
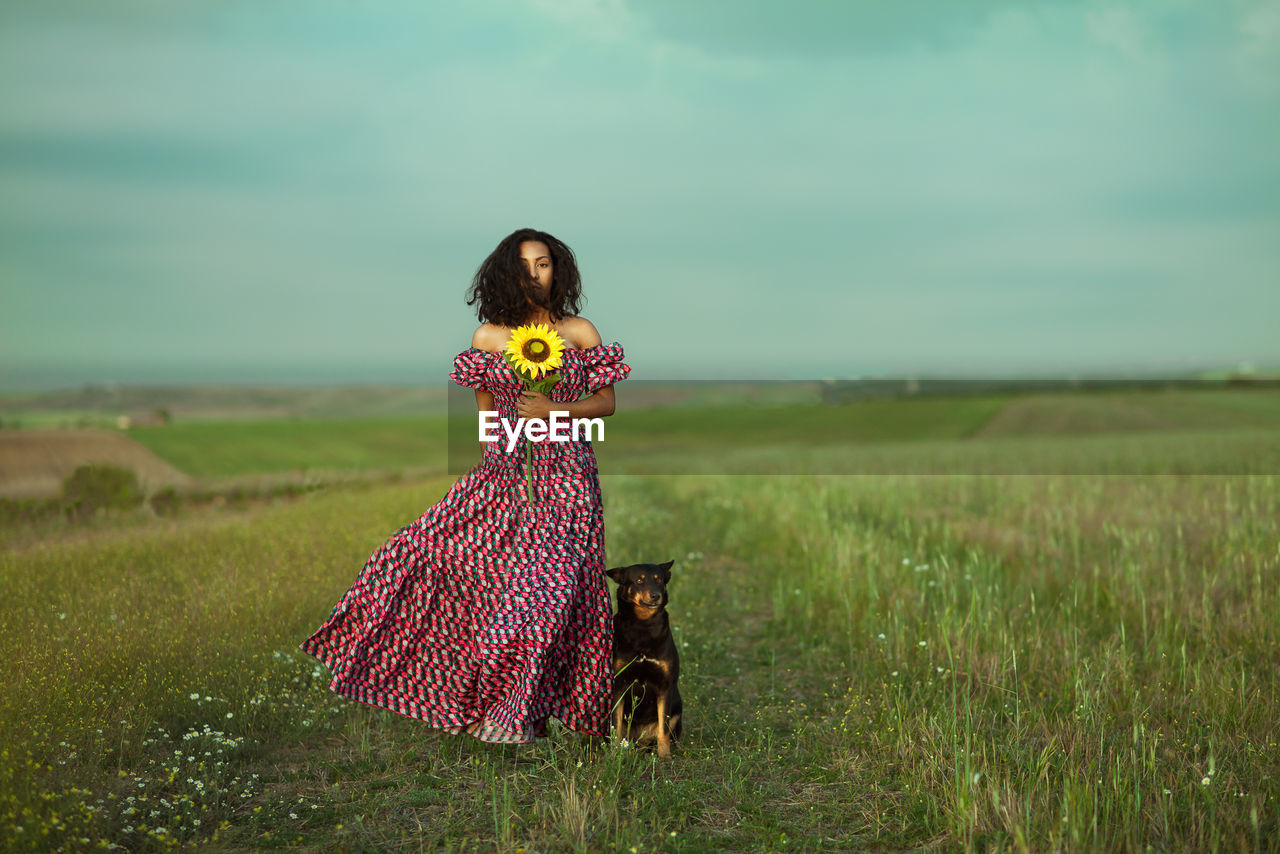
[(536, 348)]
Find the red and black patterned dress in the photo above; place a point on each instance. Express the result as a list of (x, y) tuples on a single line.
[(488, 613)]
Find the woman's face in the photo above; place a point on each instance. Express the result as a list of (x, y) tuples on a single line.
[(537, 262)]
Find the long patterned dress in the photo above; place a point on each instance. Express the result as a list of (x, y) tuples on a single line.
[(489, 613)]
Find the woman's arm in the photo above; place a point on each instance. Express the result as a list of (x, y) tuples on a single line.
[(597, 405), (490, 338)]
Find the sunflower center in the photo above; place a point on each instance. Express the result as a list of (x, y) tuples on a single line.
[(535, 350)]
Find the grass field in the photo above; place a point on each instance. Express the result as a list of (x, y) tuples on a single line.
[(884, 662), (101, 405), (213, 449), (1217, 432)]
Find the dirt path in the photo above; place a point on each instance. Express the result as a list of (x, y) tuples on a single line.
[(33, 463)]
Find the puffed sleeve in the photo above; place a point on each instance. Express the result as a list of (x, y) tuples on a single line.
[(604, 366), (469, 368)]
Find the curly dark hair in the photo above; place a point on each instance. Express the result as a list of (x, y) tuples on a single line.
[(502, 284)]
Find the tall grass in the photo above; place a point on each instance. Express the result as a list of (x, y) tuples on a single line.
[(1042, 663), (967, 663)]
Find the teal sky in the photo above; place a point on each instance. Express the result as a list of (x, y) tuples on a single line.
[(267, 191)]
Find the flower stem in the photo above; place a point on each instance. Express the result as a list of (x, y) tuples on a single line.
[(528, 471)]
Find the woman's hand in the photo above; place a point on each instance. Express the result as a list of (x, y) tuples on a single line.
[(533, 404)]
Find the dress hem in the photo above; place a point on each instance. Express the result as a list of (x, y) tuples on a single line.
[(362, 695)]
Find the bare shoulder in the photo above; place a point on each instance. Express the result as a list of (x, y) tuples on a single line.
[(490, 337), (580, 331)]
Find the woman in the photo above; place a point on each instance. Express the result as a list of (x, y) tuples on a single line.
[(490, 612)]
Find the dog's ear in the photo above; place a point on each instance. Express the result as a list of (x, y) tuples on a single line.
[(618, 573), (666, 571)]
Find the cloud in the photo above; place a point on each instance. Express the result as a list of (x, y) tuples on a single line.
[(341, 172), (1258, 55), (809, 29), (1121, 29), (606, 20)]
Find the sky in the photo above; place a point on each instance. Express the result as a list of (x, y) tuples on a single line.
[(295, 191)]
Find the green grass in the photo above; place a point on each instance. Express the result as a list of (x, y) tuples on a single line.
[(1136, 412), (1248, 451), (866, 421), (886, 662), (222, 449), (876, 436), (941, 418)]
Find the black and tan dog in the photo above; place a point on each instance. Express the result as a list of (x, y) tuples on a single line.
[(646, 666)]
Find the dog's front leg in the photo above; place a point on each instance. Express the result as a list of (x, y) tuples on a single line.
[(664, 737), (619, 700)]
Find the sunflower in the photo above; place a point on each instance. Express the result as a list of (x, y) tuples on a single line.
[(536, 349)]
